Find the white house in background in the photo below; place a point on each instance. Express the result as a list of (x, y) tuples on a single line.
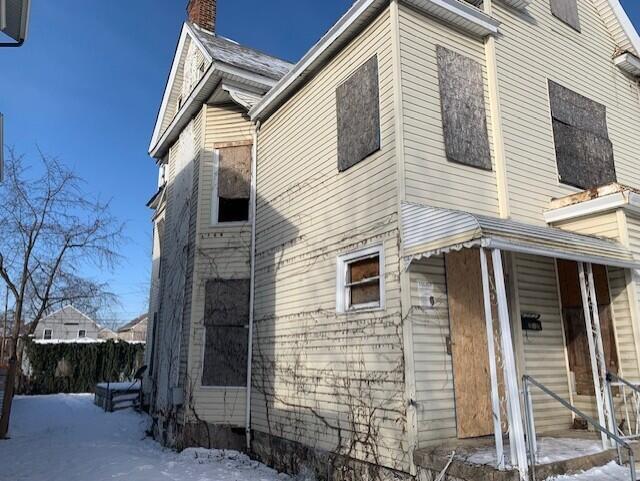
[(68, 324), (134, 331)]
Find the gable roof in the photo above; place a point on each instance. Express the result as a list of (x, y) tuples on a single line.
[(224, 50), (228, 60), (134, 323), (73, 309)]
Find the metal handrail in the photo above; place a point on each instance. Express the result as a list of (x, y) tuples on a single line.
[(531, 431), (614, 379)]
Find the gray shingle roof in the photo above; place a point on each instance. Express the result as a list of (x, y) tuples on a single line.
[(227, 51)]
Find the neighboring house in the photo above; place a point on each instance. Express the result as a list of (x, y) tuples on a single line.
[(67, 324), (445, 202), (134, 331)]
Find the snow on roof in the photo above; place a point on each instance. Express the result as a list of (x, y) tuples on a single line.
[(232, 53)]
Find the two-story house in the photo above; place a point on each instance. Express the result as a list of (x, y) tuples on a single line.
[(442, 271)]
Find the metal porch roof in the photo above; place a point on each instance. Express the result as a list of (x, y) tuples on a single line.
[(430, 231)]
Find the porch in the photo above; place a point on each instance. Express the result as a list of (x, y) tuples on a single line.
[(495, 301)]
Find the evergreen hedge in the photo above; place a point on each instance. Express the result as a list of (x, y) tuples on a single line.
[(78, 367)]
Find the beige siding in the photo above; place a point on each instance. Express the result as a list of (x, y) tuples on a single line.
[(544, 352), (324, 379), (538, 47), (430, 177), (221, 252), (602, 225), (433, 368)]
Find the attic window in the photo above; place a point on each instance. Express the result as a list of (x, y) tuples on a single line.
[(358, 112), (82, 334), (464, 118), (47, 334), (584, 153), (179, 102), (201, 68), (567, 11), (234, 184)]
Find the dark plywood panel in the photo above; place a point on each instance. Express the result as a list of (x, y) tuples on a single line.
[(567, 11), (226, 302), (584, 159), (464, 118), (575, 326), (584, 153), (234, 172), (358, 110), (472, 381), (573, 109), (226, 343)]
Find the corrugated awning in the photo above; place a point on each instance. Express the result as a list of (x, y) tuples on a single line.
[(430, 231)]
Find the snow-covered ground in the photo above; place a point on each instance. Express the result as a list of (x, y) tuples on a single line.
[(610, 472), (67, 438)]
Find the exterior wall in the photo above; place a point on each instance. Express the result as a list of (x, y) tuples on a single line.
[(137, 333), (543, 353), (65, 325), (430, 178), (324, 380), (222, 251), (436, 410), (531, 50)]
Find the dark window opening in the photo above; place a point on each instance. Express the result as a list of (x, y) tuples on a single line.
[(233, 210), (82, 333), (47, 334)]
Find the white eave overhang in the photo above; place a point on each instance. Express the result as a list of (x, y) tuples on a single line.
[(623, 199), (430, 231), (456, 13), (216, 74), (628, 63)]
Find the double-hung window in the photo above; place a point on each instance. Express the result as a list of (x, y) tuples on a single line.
[(360, 280)]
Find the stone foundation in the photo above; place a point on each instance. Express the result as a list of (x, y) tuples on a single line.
[(295, 458)]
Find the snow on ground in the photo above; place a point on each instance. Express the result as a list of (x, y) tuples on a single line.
[(67, 438), (610, 472), (550, 450)]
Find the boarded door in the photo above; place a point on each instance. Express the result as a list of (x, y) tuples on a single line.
[(472, 380), (575, 326)]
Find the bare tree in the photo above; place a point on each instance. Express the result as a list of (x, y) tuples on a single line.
[(50, 229)]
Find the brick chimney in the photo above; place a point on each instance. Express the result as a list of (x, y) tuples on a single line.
[(202, 13)]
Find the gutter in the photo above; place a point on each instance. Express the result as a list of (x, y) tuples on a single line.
[(252, 282)]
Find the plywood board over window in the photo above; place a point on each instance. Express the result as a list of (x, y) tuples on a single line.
[(358, 110), (584, 153), (567, 11), (226, 320), (464, 117)]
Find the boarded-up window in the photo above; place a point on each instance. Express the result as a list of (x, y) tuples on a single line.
[(234, 183), (364, 282), (226, 321), (464, 118), (358, 107), (584, 153), (567, 11)]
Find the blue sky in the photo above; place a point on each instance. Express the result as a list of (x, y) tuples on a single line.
[(87, 85)]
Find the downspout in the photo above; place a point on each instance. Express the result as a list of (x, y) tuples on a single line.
[(254, 203)]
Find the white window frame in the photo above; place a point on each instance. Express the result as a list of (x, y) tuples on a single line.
[(44, 334), (85, 333), (342, 290), (215, 201)]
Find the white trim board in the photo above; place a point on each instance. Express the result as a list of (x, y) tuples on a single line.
[(625, 200)]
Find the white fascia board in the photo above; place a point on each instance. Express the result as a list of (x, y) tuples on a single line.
[(453, 12), (626, 24), (301, 69), (209, 82), (582, 209), (167, 89), (459, 14), (628, 63)]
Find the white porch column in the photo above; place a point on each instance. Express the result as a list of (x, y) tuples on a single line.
[(516, 429), (596, 348), (493, 370)]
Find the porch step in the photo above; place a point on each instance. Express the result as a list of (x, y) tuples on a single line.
[(436, 459)]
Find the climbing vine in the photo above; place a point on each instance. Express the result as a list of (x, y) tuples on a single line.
[(77, 368)]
